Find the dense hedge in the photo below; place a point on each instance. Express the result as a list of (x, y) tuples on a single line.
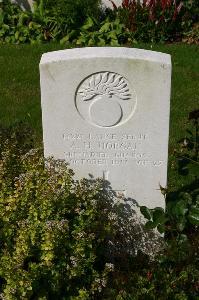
[(84, 23)]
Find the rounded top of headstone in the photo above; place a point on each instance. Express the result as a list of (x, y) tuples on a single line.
[(106, 52)]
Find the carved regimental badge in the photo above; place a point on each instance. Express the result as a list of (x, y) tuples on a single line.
[(105, 99)]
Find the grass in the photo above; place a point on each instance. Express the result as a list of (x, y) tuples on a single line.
[(20, 91)]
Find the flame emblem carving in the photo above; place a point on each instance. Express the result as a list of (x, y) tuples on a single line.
[(105, 100), (108, 84)]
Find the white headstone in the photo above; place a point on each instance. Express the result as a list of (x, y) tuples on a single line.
[(108, 3), (24, 4), (106, 111)]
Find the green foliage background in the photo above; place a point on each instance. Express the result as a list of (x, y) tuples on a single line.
[(74, 11), (86, 23)]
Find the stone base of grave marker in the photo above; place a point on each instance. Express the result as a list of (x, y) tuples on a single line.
[(106, 112)]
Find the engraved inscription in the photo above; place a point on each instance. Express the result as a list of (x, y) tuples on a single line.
[(109, 149), (105, 99)]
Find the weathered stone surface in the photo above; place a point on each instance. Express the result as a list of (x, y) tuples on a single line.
[(24, 4), (106, 111), (108, 3)]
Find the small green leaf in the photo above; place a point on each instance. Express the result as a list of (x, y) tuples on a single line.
[(182, 238), (150, 225), (88, 24), (64, 40), (187, 197), (146, 212), (114, 42), (101, 42), (17, 35), (180, 208), (5, 26), (161, 228), (181, 223), (194, 209), (105, 27), (193, 216), (159, 216)]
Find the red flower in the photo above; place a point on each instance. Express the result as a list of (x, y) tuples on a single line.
[(149, 275)]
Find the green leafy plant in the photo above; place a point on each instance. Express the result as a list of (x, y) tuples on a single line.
[(67, 239), (45, 23), (18, 26), (188, 151), (75, 12), (180, 220), (60, 238), (47, 240), (152, 21), (192, 36), (92, 33), (83, 23)]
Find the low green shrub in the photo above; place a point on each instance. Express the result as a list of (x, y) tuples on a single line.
[(92, 33), (15, 141), (61, 238), (47, 234), (18, 26), (47, 22), (74, 12), (192, 36), (174, 274), (67, 239), (182, 208), (180, 221)]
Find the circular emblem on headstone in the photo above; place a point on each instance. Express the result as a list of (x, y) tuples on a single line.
[(105, 99)]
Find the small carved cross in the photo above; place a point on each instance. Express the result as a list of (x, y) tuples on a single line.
[(120, 194), (105, 174)]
